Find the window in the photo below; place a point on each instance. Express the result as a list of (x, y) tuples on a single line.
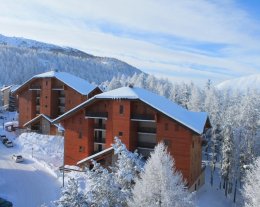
[(46, 106), (121, 109), (167, 142), (46, 83), (120, 134), (46, 97), (81, 149), (166, 127), (80, 135)]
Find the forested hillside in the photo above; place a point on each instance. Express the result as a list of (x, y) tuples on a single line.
[(22, 58)]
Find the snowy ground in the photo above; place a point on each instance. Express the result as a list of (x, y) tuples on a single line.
[(27, 184), (211, 195)]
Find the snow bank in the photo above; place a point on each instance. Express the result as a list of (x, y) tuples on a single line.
[(46, 149), (11, 123)]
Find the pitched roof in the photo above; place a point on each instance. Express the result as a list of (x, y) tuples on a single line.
[(78, 84), (42, 116), (97, 155), (193, 120)]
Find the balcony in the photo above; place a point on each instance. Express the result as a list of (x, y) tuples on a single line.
[(35, 88), (100, 127), (62, 104), (145, 152), (96, 115), (146, 145), (147, 130), (143, 117), (99, 140)]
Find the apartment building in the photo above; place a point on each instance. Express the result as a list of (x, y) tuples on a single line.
[(140, 119), (48, 95)]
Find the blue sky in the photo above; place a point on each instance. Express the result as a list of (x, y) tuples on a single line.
[(180, 40)]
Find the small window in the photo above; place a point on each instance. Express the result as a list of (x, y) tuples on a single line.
[(120, 134), (46, 97), (80, 135), (46, 106), (166, 127), (121, 109), (46, 83), (167, 142), (81, 149)]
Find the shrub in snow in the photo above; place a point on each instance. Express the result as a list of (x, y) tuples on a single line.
[(251, 191), (160, 184), (71, 196)]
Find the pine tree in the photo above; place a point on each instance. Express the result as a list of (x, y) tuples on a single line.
[(127, 168), (102, 190), (160, 184), (227, 157), (251, 190), (71, 196)]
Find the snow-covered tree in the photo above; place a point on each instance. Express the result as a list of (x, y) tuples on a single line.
[(227, 157), (160, 184), (102, 189), (127, 168), (71, 196), (251, 190)]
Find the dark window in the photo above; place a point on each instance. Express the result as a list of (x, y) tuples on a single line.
[(167, 142), (121, 109), (46, 83), (120, 134), (46, 106), (46, 96), (166, 127), (81, 149), (80, 134)]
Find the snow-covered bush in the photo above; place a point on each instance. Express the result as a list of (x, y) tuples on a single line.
[(160, 184)]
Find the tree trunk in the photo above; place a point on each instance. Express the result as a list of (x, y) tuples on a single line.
[(235, 192)]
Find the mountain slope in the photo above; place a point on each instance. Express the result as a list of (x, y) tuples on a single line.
[(241, 84), (22, 58)]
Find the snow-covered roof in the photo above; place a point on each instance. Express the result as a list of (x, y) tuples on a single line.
[(193, 120), (93, 157), (38, 117), (5, 87), (11, 87), (80, 85)]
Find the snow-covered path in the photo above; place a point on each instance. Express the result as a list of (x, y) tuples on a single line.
[(25, 184)]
